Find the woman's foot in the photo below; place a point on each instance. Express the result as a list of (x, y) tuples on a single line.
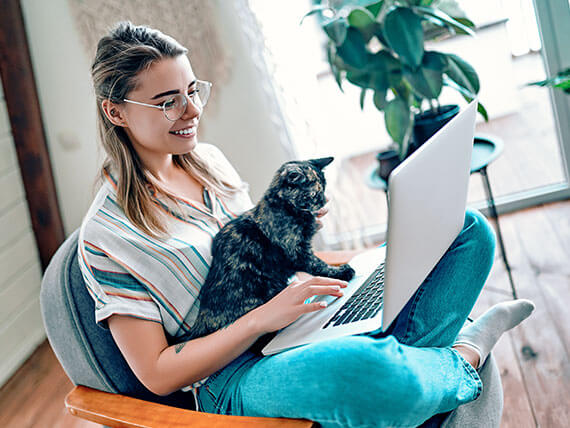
[(475, 341), (470, 354)]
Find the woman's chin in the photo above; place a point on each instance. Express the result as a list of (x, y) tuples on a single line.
[(187, 147)]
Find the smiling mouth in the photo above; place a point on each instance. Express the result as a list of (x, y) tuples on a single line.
[(186, 132)]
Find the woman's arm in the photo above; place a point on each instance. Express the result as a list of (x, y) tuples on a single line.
[(164, 369)]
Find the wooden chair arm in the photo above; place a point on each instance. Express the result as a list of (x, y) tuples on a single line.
[(115, 410)]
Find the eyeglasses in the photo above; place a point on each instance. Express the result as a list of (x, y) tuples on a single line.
[(175, 106)]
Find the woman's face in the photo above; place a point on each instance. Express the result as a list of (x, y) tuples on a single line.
[(150, 132)]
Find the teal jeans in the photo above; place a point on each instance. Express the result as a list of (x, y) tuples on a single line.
[(395, 379)]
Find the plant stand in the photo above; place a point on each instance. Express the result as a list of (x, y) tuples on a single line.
[(486, 148)]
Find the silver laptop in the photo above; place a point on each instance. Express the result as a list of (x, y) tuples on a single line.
[(427, 195)]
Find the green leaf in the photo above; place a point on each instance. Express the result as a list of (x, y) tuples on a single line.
[(334, 68), (353, 50), (316, 9), (359, 78), (383, 60), (561, 81), (465, 92), (427, 80), (380, 99), (386, 70), (434, 60), (483, 112), (375, 8), (404, 34), (397, 119), (336, 29), (362, 97), (462, 73), (363, 20), (360, 18), (465, 21), (444, 18), (468, 96), (380, 81)]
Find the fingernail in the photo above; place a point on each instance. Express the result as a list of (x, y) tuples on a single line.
[(323, 304)]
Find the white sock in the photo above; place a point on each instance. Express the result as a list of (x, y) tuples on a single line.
[(485, 331)]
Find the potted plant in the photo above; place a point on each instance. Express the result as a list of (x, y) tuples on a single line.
[(379, 46)]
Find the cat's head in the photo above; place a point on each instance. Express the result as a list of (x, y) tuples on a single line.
[(301, 184)]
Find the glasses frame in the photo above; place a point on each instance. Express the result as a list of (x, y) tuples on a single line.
[(161, 107)]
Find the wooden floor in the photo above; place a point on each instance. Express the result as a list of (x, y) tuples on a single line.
[(533, 358)]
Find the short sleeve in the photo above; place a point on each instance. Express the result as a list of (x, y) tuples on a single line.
[(114, 289)]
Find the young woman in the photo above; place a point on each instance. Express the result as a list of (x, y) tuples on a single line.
[(144, 252)]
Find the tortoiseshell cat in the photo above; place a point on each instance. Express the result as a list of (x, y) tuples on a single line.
[(256, 253)]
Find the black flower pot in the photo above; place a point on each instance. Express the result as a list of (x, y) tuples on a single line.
[(388, 160), (428, 123)]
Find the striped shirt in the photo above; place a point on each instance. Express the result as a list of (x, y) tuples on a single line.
[(130, 273)]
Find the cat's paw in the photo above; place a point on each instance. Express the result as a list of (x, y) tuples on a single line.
[(345, 272)]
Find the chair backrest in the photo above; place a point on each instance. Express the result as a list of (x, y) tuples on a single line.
[(86, 350)]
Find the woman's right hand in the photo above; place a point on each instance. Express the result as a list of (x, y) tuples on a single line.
[(289, 304)]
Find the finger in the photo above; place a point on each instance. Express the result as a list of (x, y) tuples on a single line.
[(315, 290), (319, 225), (323, 280), (322, 211), (295, 284), (312, 307)]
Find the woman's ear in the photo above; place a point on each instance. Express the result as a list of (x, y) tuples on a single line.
[(114, 113)]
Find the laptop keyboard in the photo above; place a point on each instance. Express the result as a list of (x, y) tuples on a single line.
[(363, 304)]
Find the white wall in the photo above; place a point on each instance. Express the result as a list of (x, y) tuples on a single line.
[(21, 328), (241, 126)]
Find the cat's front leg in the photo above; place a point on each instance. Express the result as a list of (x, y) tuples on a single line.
[(318, 267)]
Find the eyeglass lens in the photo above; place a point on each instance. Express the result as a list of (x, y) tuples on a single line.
[(175, 107)]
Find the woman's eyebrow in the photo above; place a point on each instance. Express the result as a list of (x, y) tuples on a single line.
[(173, 91)]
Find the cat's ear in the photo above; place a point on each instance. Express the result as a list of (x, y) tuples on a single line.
[(321, 162)]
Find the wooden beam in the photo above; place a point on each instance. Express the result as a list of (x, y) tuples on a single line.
[(28, 132)]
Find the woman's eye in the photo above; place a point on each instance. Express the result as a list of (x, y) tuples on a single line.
[(169, 104)]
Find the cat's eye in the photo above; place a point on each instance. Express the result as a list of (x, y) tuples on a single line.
[(296, 177)]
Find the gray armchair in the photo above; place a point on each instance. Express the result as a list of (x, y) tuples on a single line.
[(109, 393)]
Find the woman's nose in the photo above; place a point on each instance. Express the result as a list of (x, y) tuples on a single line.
[(192, 110)]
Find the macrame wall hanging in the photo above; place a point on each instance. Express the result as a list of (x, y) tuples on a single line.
[(191, 22)]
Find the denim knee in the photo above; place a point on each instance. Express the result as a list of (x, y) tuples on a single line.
[(380, 381), (479, 232)]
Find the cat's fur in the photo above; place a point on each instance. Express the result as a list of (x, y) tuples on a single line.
[(256, 253)]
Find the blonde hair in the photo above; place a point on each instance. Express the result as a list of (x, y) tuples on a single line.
[(121, 56)]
